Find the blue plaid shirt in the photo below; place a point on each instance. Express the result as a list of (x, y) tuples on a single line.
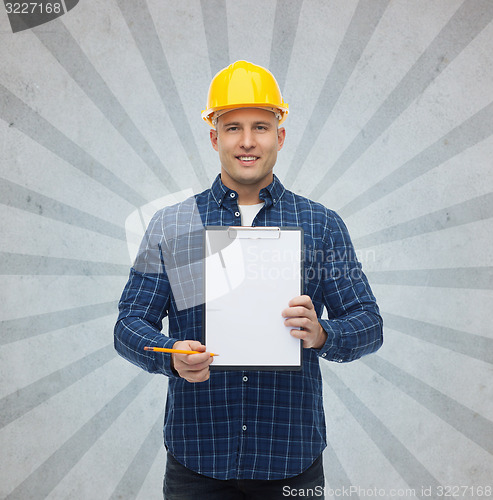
[(245, 424)]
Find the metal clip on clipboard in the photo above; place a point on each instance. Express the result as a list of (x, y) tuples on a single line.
[(254, 233)]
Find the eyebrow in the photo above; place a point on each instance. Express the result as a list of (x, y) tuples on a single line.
[(260, 122)]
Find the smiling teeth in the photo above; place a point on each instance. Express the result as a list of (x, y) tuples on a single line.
[(247, 158)]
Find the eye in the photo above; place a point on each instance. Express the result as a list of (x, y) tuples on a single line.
[(231, 129)]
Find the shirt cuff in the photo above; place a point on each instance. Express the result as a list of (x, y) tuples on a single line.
[(332, 350), (162, 360)]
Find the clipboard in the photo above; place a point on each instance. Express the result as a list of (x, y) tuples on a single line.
[(250, 275)]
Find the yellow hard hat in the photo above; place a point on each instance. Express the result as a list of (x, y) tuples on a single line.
[(244, 85)]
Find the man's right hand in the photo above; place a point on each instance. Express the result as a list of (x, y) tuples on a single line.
[(191, 367)]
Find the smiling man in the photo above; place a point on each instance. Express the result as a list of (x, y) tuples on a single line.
[(246, 434), (247, 141)]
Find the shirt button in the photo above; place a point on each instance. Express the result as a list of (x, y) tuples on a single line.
[(245, 379), (324, 354), (237, 214), (244, 427), (232, 195)]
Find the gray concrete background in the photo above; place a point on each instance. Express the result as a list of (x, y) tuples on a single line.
[(391, 125)]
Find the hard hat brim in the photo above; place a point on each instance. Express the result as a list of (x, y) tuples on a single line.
[(283, 110)]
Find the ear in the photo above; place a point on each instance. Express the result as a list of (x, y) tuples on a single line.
[(281, 135), (213, 135)]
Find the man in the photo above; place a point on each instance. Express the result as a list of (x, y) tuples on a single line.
[(251, 434)]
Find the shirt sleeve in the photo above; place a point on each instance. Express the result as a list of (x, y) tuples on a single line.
[(143, 306), (354, 327)]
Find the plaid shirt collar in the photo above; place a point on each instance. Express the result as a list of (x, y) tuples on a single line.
[(270, 194)]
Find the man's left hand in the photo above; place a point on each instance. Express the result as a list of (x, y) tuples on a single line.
[(301, 314)]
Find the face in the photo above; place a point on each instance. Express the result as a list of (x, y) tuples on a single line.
[(247, 141)]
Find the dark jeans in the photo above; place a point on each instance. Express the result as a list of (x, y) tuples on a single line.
[(181, 483)]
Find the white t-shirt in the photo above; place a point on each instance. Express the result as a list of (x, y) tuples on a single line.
[(248, 213)]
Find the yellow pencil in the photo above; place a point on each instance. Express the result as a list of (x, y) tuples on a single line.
[(177, 351)]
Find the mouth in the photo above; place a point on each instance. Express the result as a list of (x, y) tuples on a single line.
[(247, 159)]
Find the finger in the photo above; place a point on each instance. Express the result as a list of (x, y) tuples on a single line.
[(299, 311), (295, 312), (303, 323), (301, 300), (306, 337), (191, 345), (300, 335), (193, 374), (195, 345), (291, 312), (195, 360)]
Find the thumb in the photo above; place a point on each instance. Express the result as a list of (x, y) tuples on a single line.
[(195, 345)]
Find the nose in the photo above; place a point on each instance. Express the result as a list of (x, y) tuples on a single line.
[(247, 139)]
